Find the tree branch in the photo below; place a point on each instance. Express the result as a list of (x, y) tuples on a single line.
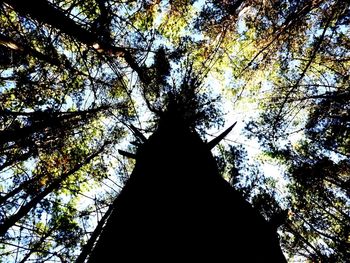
[(46, 13), (10, 221)]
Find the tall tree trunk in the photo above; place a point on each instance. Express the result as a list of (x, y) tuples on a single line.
[(176, 206)]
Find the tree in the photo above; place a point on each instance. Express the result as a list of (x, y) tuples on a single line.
[(176, 205), (80, 78)]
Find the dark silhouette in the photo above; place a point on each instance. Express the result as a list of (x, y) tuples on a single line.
[(176, 206)]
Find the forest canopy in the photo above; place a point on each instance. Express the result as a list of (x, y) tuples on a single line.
[(80, 80)]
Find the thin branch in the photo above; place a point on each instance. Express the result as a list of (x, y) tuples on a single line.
[(56, 183), (44, 12), (302, 75), (87, 248)]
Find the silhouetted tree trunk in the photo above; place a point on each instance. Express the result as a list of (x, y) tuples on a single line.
[(176, 206)]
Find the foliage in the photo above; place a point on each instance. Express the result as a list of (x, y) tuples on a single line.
[(77, 76)]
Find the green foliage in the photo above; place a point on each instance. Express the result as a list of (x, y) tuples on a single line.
[(75, 77)]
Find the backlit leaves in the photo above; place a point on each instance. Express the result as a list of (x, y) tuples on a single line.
[(69, 88)]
